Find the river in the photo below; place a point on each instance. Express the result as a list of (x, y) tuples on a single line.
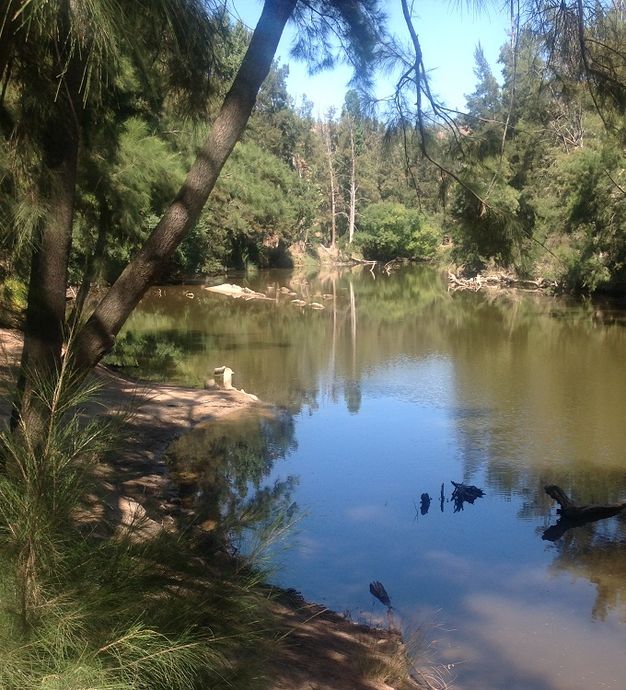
[(394, 390)]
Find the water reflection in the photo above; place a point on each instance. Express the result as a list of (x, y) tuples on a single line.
[(597, 553), (220, 469), (395, 385)]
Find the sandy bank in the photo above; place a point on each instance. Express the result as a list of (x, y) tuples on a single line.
[(154, 416)]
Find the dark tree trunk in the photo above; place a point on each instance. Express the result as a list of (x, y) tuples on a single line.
[(45, 314), (98, 335)]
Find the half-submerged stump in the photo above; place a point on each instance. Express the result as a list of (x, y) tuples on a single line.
[(575, 515), (464, 493)]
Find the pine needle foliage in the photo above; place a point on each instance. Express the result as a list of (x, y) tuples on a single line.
[(81, 611)]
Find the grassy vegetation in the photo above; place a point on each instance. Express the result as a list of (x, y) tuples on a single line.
[(12, 300), (80, 611)]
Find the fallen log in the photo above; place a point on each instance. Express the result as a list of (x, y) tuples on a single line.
[(572, 510), (574, 515), (497, 280)]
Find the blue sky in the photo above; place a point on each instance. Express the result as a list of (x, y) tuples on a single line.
[(448, 33)]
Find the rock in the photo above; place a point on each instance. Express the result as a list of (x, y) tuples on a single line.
[(134, 521), (236, 291), (316, 305), (298, 302), (223, 377)]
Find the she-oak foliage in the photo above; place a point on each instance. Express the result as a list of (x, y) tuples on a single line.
[(73, 79)]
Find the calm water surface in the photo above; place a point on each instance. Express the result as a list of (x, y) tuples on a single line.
[(392, 390)]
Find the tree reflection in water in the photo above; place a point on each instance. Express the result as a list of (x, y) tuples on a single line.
[(220, 468), (538, 389), (597, 552)]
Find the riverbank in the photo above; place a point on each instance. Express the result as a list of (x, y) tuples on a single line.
[(318, 648)]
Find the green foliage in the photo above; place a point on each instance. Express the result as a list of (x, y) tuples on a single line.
[(424, 243), (122, 192), (12, 300), (486, 230), (81, 610), (390, 230), (137, 139), (584, 206), (259, 206)]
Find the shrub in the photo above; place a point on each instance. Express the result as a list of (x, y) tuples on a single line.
[(389, 230)]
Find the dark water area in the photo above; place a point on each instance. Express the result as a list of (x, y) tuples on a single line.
[(392, 390)]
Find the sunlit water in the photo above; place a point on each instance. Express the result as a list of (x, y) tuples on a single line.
[(394, 389)]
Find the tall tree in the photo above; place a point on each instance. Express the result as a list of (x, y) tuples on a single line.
[(84, 46), (55, 60), (327, 130)]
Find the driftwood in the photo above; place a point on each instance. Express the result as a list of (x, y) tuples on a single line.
[(496, 280), (464, 493), (363, 262), (575, 515), (377, 590), (569, 509)]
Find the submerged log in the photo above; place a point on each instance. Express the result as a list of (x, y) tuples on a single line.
[(575, 515), (570, 510)]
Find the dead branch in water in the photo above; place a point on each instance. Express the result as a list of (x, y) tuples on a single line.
[(575, 515), (497, 280), (465, 493)]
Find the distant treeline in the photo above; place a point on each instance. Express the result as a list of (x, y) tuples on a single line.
[(531, 177)]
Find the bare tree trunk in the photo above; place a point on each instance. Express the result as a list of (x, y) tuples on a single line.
[(98, 335), (353, 187), (333, 185)]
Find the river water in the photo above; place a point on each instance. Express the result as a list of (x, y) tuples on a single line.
[(394, 390)]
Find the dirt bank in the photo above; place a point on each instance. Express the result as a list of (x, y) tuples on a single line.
[(321, 650)]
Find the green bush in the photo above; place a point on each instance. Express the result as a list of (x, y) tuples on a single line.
[(389, 230)]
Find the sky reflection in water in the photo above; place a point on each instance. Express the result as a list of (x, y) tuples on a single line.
[(398, 387)]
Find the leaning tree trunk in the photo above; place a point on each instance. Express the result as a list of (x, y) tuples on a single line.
[(94, 261), (98, 335)]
